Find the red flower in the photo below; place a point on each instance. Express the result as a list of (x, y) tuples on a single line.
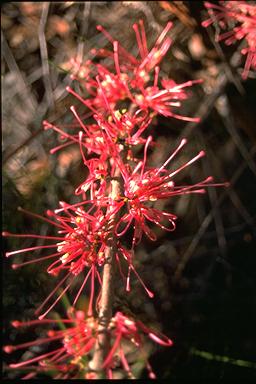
[(141, 186), (138, 69), (162, 100), (240, 18), (77, 336), (76, 340), (124, 129), (81, 242), (124, 329), (96, 181)]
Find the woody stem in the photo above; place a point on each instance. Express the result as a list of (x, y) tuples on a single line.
[(107, 293)]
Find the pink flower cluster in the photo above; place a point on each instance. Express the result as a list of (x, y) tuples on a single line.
[(76, 337), (239, 19), (110, 139)]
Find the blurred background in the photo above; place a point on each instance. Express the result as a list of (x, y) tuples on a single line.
[(204, 273)]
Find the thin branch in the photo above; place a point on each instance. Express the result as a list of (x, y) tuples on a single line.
[(107, 294), (224, 110), (207, 105), (84, 29), (186, 256), (44, 54), (22, 86), (216, 211)]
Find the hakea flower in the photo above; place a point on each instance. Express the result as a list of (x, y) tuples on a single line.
[(124, 329), (112, 134), (162, 100), (142, 186), (91, 138), (106, 89), (77, 336), (131, 79), (240, 18), (96, 182), (80, 245), (80, 71), (114, 87), (123, 128), (138, 68)]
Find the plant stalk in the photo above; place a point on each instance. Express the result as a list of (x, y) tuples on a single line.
[(107, 295)]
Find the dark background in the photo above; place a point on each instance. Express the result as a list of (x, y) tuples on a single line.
[(203, 274)]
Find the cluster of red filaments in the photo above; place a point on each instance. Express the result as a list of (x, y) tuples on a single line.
[(80, 245), (76, 339), (110, 139), (238, 18)]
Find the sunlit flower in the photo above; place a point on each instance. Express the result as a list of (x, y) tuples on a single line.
[(70, 348), (239, 17), (124, 329), (75, 338), (138, 68), (79, 247), (143, 186), (163, 100)]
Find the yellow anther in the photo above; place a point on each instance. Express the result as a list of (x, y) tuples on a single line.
[(64, 258), (117, 114), (128, 322)]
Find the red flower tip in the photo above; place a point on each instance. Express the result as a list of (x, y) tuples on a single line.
[(206, 23), (152, 375), (8, 348), (47, 125), (90, 376), (207, 4), (169, 25), (183, 141), (5, 233), (80, 315), (99, 28), (15, 266), (16, 323), (165, 341)]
